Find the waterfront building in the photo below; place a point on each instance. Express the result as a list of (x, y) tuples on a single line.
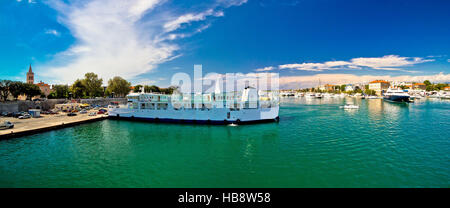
[(45, 88), (419, 86), (380, 86), (30, 76), (447, 88), (326, 87), (329, 87)]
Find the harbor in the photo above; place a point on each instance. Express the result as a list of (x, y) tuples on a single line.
[(48, 122), (315, 144), (225, 94)]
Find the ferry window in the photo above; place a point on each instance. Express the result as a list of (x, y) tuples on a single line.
[(228, 115), (143, 106)]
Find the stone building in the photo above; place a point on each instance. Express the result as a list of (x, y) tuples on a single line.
[(30, 76), (45, 88), (380, 86)]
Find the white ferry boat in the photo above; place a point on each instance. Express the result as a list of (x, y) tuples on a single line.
[(249, 106)]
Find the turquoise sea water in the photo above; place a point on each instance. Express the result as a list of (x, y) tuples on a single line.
[(315, 144)]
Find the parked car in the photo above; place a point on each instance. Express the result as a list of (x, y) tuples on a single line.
[(25, 116), (101, 112), (71, 114), (83, 111), (92, 114), (17, 114), (4, 114), (6, 125)]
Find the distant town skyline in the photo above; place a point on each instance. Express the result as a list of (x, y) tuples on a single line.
[(147, 41)]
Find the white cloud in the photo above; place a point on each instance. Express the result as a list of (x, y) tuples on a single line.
[(269, 68), (29, 1), (53, 32), (388, 62), (113, 38), (191, 17), (294, 82)]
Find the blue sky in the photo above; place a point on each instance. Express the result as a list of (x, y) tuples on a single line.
[(147, 41)]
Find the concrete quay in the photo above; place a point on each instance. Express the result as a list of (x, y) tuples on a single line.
[(23, 127)]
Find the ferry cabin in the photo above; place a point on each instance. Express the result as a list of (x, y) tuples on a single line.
[(232, 101)]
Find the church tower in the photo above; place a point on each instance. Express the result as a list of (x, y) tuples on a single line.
[(30, 76)]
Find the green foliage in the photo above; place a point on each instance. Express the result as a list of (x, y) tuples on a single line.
[(16, 88), (52, 95), (118, 86), (4, 89), (92, 84), (168, 90), (137, 88), (152, 88), (31, 90), (440, 86), (60, 91), (427, 82), (436, 87), (77, 89), (370, 92), (357, 90)]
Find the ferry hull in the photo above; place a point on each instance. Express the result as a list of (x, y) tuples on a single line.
[(397, 98), (182, 121), (197, 116)]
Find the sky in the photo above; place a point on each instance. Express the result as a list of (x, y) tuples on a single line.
[(147, 41)]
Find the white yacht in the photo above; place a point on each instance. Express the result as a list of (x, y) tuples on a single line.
[(318, 95), (396, 95), (349, 106)]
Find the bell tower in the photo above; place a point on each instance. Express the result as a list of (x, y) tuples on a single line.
[(30, 76)]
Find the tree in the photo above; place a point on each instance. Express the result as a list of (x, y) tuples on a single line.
[(31, 90), (370, 92), (357, 90), (152, 88), (60, 91), (16, 89), (92, 84), (427, 82), (440, 86), (118, 86), (137, 88), (343, 87), (168, 90), (4, 89), (77, 89)]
